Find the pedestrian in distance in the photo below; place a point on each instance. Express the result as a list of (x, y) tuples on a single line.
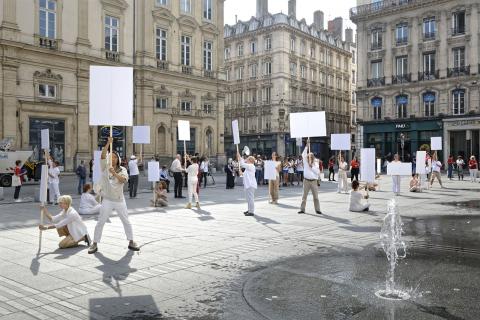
[(68, 223), (342, 175), (460, 165), (396, 179), (88, 204), (81, 173), (473, 167), (249, 182), (354, 169), (17, 179), (311, 173), (356, 199), (274, 185), (450, 164), (53, 181), (259, 169), (299, 167), (177, 170), (230, 173), (331, 169), (133, 177), (192, 177), (113, 179), (204, 171)]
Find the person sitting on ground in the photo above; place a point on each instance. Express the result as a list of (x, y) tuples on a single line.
[(88, 203), (415, 184), (161, 199), (356, 204), (68, 223), (164, 177)]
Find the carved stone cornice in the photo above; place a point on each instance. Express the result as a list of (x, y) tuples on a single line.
[(163, 14), (187, 23), (162, 91), (115, 5), (210, 28), (47, 75)]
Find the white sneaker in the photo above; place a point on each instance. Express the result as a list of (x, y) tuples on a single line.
[(17, 200)]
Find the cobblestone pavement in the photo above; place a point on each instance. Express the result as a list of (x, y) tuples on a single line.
[(192, 263)]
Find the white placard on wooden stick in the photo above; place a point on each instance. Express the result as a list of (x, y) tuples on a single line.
[(236, 132), (270, 170), (420, 162), (153, 171), (111, 96), (308, 124), (141, 134), (436, 143), (367, 164), (399, 169), (44, 184), (45, 137), (183, 130), (379, 166), (97, 169), (341, 141)]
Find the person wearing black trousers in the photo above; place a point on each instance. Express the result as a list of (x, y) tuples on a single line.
[(177, 170), (331, 170)]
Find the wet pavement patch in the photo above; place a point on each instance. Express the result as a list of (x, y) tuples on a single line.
[(469, 204)]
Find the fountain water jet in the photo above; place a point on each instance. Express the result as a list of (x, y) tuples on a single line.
[(394, 247)]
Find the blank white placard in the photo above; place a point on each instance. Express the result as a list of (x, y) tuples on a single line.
[(111, 96), (399, 169), (97, 169), (420, 166), (436, 143), (236, 132), (44, 183), (308, 124), (45, 136), (153, 171), (379, 166), (341, 141), (184, 130), (141, 134), (367, 164), (270, 170)]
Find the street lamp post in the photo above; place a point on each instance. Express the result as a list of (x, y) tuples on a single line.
[(402, 144)]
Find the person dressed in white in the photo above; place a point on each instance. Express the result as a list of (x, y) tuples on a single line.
[(342, 175), (192, 180), (204, 169), (396, 179), (311, 172), (133, 176), (68, 223), (436, 167), (53, 181), (249, 182), (88, 204), (415, 184), (114, 177), (356, 197)]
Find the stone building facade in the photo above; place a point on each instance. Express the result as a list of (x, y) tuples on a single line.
[(418, 74), (276, 65), (175, 47)]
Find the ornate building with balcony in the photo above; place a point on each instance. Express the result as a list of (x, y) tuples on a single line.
[(276, 65), (174, 46), (418, 72)]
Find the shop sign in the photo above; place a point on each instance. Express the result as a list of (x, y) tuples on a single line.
[(460, 123), (402, 126)]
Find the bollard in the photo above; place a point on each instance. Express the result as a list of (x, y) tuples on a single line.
[(1, 193)]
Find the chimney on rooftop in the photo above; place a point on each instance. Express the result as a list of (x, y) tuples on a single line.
[(292, 8), (262, 8), (318, 20), (335, 27), (349, 35)]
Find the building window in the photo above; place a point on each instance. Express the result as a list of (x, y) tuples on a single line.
[(240, 50), (339, 63), (227, 74), (322, 78), (240, 73), (339, 83), (267, 94), (429, 63), (429, 104), (207, 9), (353, 57), (458, 58), (354, 79), (303, 71), (227, 53), (293, 69), (111, 33), (458, 101), (268, 43), (292, 44), (253, 70), (402, 66), (377, 108), (48, 18), (161, 103), (159, 3), (47, 91), (207, 55), (377, 39), (402, 103), (377, 71), (302, 48), (312, 52), (267, 68), (429, 28), (458, 22), (313, 74), (186, 50), (161, 44), (401, 33), (186, 106), (253, 47), (330, 59), (207, 108), (185, 6)]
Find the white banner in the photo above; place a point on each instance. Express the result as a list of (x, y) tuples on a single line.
[(236, 132), (111, 96), (45, 136), (44, 184), (270, 170), (153, 171), (420, 160), (97, 169), (399, 169), (183, 130), (141, 134), (379, 166), (341, 141), (308, 124), (367, 164), (436, 143)]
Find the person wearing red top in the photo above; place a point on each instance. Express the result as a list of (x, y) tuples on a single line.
[(17, 180), (473, 166), (450, 163), (331, 171), (354, 169)]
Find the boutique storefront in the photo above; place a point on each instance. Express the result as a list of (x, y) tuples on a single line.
[(462, 136)]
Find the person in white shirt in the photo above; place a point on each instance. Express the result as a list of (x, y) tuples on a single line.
[(88, 204), (460, 165), (177, 170), (164, 177), (299, 166), (274, 185), (249, 182), (53, 181), (113, 179), (68, 223), (192, 179), (204, 169), (311, 172), (396, 179), (436, 167), (342, 175), (356, 197), (133, 177)]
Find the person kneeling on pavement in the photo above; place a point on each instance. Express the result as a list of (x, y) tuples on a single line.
[(356, 197), (68, 224)]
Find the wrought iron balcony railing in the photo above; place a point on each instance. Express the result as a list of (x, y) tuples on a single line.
[(376, 82), (402, 78), (458, 71), (428, 75)]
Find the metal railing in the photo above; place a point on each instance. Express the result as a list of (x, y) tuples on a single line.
[(458, 30), (458, 71), (376, 46), (47, 43), (428, 75), (401, 41), (401, 78), (187, 69), (376, 82), (162, 65), (208, 74), (379, 6), (112, 55), (429, 35)]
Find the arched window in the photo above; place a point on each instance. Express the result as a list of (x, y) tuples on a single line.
[(458, 96), (429, 104), (377, 103), (401, 102), (161, 140)]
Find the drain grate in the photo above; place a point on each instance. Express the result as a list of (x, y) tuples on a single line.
[(444, 248)]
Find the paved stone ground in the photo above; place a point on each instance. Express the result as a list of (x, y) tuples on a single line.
[(215, 263)]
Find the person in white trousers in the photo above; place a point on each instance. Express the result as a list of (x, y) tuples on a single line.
[(88, 203), (114, 177), (249, 182), (342, 175), (53, 181), (396, 179), (192, 182)]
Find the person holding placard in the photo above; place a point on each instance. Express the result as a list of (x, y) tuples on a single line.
[(396, 178), (356, 197), (88, 203), (229, 171), (311, 173), (113, 179), (436, 167), (342, 175), (274, 185), (192, 180), (473, 167), (177, 170), (249, 182), (68, 223)]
